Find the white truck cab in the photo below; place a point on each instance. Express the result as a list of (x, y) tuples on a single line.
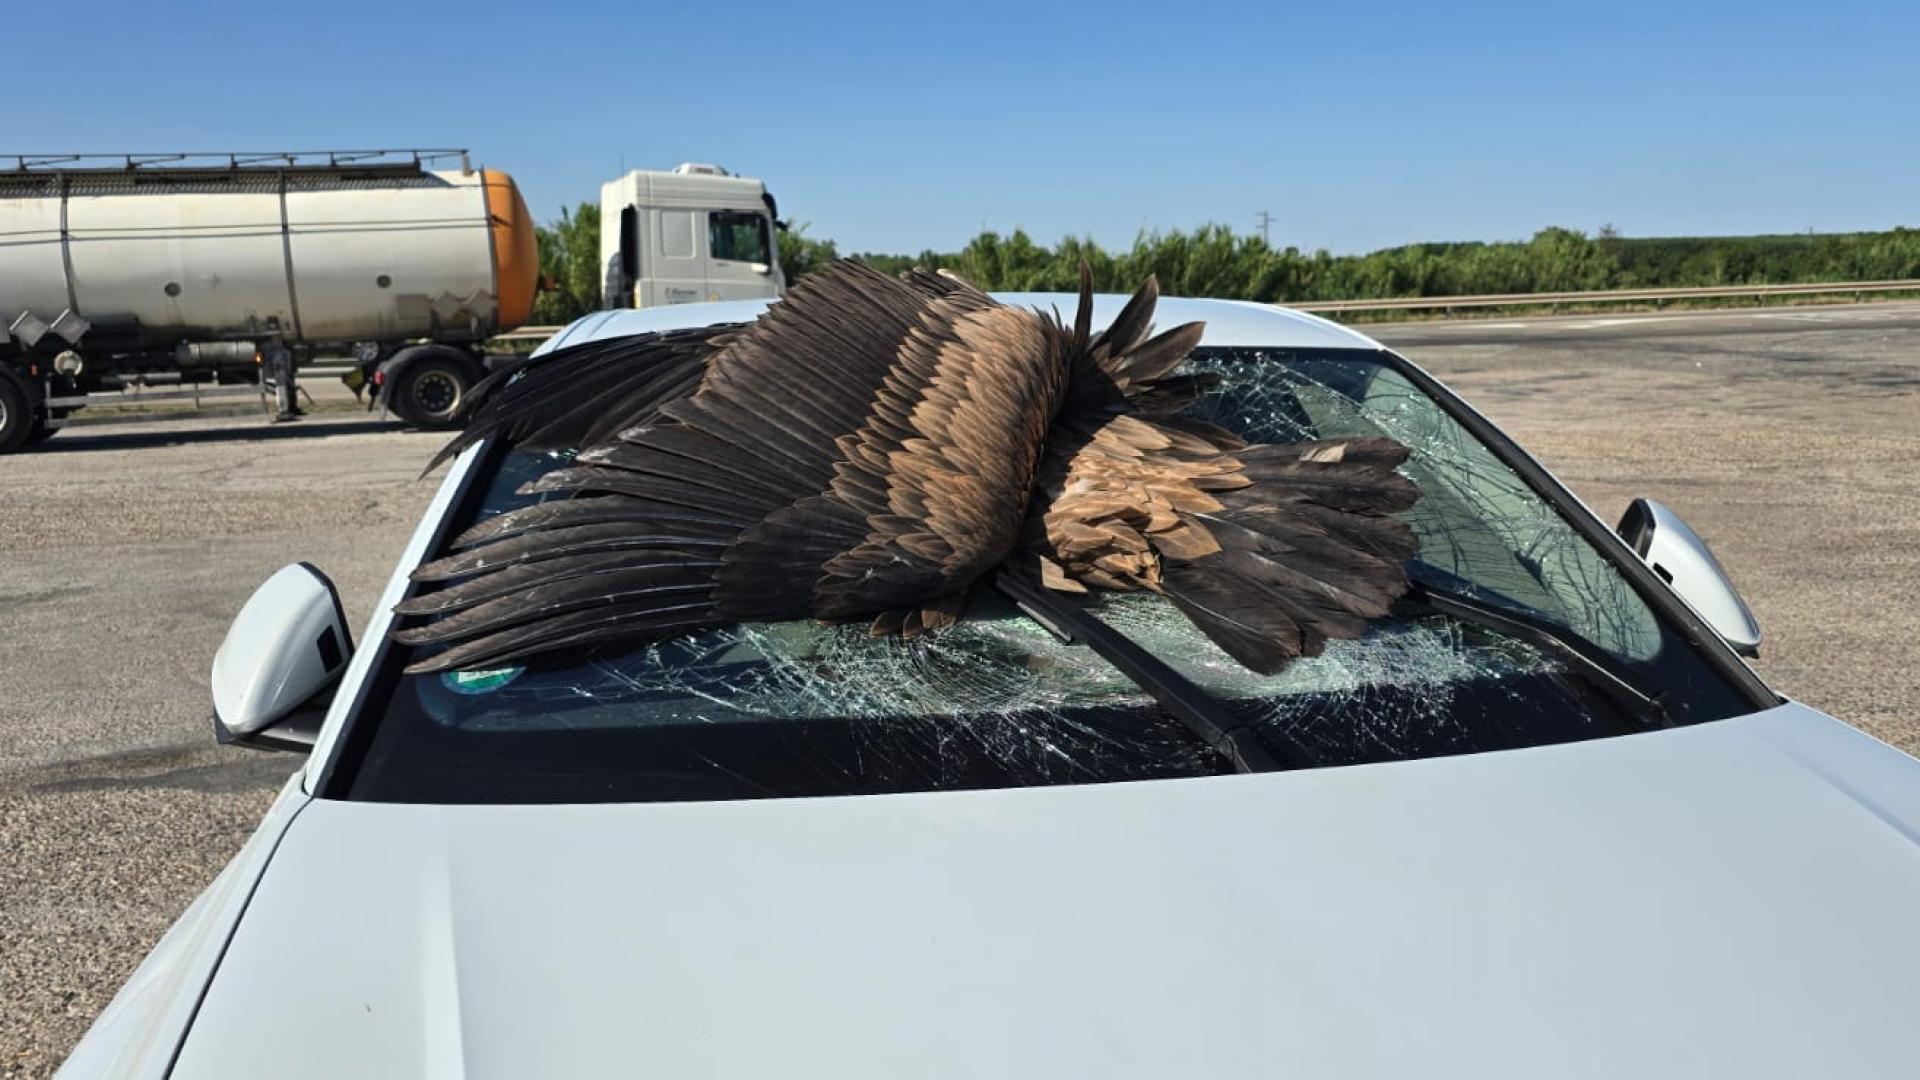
[(696, 233)]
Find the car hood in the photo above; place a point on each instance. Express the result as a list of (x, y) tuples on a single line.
[(1732, 899)]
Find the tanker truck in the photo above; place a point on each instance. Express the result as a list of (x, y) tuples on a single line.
[(139, 270)]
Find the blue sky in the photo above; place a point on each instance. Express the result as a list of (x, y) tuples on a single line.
[(897, 127)]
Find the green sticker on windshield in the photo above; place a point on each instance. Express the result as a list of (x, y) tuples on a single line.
[(479, 682)]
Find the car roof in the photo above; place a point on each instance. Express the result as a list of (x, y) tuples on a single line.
[(1229, 322)]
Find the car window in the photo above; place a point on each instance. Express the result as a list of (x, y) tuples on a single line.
[(791, 709)]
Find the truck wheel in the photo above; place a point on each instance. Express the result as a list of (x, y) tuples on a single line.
[(430, 391), (16, 416)]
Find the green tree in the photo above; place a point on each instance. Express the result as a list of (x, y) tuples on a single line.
[(1213, 260), (570, 272), (1012, 263), (800, 254)]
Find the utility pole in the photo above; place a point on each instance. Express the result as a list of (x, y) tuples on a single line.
[(1266, 219)]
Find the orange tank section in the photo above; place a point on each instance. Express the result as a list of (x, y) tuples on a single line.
[(516, 255)]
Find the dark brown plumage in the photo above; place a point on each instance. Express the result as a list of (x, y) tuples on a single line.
[(870, 448)]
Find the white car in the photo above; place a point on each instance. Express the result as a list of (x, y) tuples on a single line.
[(1540, 821)]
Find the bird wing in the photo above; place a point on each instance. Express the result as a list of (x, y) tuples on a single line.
[(846, 455)]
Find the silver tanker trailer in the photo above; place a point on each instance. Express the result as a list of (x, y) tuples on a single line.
[(195, 268)]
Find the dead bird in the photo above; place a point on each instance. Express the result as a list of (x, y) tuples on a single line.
[(872, 448)]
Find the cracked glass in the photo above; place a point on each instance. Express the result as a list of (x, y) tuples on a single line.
[(794, 709)]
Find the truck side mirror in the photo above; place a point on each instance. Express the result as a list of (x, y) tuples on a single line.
[(275, 673), (1681, 559), (629, 244)]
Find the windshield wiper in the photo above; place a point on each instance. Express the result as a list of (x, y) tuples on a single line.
[(1214, 725), (1599, 667)]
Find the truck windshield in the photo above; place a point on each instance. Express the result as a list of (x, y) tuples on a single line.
[(797, 709)]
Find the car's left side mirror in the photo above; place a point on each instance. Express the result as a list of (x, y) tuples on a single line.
[(275, 673), (1681, 559)]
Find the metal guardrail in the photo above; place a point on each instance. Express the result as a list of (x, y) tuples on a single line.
[(1427, 303), (528, 333), (1608, 296)]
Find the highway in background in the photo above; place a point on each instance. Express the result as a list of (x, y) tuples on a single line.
[(1663, 324)]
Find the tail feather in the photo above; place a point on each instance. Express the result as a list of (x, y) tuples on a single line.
[(1133, 323), (1297, 560), (1355, 475), (1307, 553), (1260, 636), (1155, 359)]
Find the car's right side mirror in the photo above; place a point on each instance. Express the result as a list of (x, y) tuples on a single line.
[(1681, 559), (275, 673)]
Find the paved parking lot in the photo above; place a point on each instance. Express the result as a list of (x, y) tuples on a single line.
[(1788, 440)]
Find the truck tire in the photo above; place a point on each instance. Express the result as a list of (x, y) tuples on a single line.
[(16, 415), (428, 390)]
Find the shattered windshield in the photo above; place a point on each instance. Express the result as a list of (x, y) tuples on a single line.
[(1004, 699)]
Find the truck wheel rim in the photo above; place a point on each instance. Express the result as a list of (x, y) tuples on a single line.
[(3, 412), (437, 393)]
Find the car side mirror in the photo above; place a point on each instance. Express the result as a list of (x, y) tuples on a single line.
[(275, 673), (1681, 559)]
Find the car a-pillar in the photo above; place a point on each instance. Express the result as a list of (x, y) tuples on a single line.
[(425, 385)]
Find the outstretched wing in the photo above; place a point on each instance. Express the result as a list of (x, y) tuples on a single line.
[(847, 455)]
